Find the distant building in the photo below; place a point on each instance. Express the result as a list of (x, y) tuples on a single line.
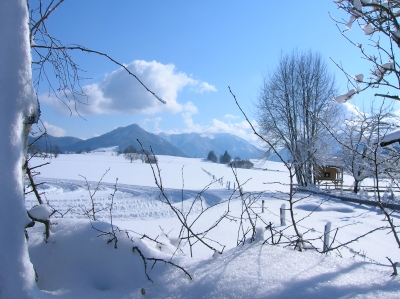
[(330, 171)]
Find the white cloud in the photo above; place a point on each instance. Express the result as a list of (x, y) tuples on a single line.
[(241, 129), (351, 109), (54, 130), (190, 108), (155, 122), (119, 92), (230, 116), (204, 87)]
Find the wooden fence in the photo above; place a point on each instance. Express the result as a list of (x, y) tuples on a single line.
[(350, 188)]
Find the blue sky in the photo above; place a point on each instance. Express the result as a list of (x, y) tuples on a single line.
[(188, 52)]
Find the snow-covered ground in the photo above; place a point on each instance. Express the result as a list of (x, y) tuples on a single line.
[(77, 261)]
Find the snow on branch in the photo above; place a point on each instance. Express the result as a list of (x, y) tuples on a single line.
[(390, 138), (343, 98), (378, 20)]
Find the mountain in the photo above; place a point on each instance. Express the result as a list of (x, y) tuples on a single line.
[(195, 145), (50, 141), (183, 145), (123, 137), (284, 153)]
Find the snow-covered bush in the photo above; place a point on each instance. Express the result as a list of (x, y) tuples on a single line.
[(242, 164)]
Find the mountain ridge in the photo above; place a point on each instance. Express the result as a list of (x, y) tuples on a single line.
[(193, 145)]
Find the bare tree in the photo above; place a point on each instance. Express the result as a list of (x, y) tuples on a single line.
[(379, 22), (358, 142), (298, 241), (130, 153), (294, 95)]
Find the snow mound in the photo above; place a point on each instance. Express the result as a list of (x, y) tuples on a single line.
[(79, 259), (41, 212), (79, 262)]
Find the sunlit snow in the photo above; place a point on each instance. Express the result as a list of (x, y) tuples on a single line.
[(79, 260)]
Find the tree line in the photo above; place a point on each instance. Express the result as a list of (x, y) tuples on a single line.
[(227, 159)]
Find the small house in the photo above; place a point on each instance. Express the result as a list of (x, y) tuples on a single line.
[(329, 173)]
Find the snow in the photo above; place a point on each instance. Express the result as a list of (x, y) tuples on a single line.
[(18, 106), (368, 29), (349, 24), (77, 261), (380, 70), (359, 78), (91, 268), (343, 98), (41, 212), (356, 12), (115, 256), (93, 166), (357, 5), (391, 137)]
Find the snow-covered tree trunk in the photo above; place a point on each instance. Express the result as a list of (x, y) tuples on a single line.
[(18, 109)]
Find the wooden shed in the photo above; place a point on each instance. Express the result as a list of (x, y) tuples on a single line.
[(330, 173)]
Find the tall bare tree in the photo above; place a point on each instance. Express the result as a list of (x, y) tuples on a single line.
[(295, 96)]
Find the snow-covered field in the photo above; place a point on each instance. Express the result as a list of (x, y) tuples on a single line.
[(77, 261)]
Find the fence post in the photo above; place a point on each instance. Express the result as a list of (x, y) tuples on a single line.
[(234, 185), (391, 196), (385, 197), (326, 235), (262, 206), (283, 215)]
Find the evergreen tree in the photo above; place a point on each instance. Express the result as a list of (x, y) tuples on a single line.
[(225, 158), (212, 157), (56, 151)]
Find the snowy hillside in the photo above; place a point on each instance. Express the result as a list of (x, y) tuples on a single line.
[(80, 260)]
